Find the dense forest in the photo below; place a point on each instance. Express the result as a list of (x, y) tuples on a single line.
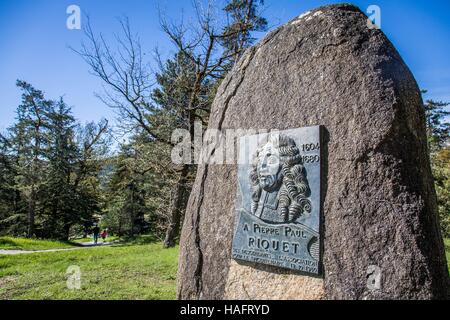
[(59, 177)]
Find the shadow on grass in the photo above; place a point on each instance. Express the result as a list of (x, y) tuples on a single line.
[(32, 244), (75, 244), (7, 243), (138, 240)]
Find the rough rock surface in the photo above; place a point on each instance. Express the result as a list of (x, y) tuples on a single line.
[(326, 68)]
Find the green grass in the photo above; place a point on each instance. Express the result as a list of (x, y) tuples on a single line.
[(90, 239), (127, 271), (9, 243), (137, 269)]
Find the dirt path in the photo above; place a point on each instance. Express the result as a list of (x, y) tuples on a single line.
[(82, 246)]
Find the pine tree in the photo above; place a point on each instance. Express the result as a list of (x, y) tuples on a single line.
[(62, 154), (12, 219), (438, 129), (127, 200), (29, 146), (49, 169), (244, 19), (441, 172), (174, 99), (93, 142)]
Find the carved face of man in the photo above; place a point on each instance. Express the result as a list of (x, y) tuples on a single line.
[(278, 170), (269, 167)]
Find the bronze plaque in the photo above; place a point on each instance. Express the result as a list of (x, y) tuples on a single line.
[(278, 204)]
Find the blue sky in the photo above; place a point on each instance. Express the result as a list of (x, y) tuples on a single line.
[(34, 43)]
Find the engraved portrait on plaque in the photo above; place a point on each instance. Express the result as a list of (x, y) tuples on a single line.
[(278, 202)]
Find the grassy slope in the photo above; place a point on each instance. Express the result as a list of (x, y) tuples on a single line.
[(136, 270), (145, 271), (9, 243)]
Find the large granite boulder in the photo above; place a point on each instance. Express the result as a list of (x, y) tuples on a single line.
[(326, 68)]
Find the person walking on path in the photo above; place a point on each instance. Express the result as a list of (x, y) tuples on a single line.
[(96, 232), (104, 234)]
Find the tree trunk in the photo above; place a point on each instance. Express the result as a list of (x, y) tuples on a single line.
[(178, 201), (34, 172), (176, 209), (131, 232), (66, 235), (31, 214)]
